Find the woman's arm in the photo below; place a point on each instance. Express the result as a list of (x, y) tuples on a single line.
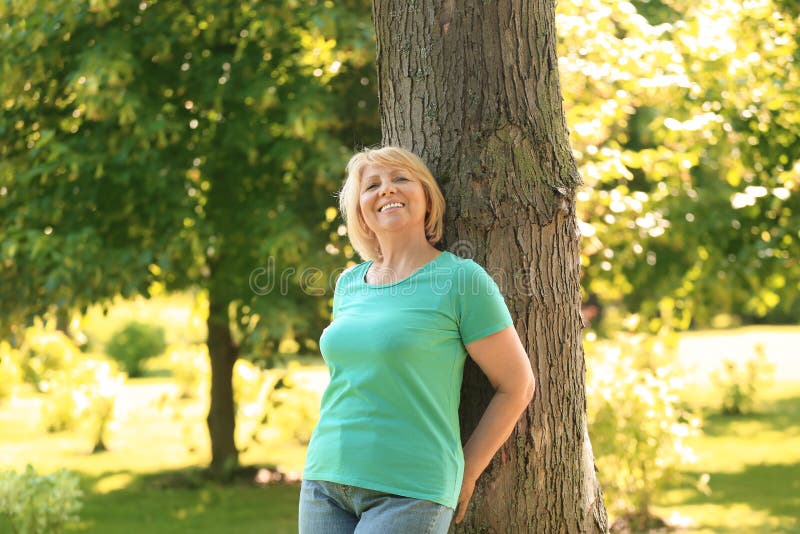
[(503, 359)]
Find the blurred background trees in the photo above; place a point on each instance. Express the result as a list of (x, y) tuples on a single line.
[(163, 145), (684, 119)]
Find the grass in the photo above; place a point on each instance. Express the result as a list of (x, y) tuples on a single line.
[(155, 504), (753, 461), (150, 479), (754, 467)]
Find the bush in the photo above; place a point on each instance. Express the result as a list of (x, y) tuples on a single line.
[(252, 387), (44, 351), (637, 427), (84, 394), (295, 409), (134, 343), (739, 385), (272, 400), (37, 504), (10, 374), (189, 366)]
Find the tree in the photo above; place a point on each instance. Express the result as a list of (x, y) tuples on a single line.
[(183, 144), (688, 142), (474, 88)]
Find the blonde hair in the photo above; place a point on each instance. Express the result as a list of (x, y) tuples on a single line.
[(364, 240)]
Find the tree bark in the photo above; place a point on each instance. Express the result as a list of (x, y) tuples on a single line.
[(221, 415), (473, 88)]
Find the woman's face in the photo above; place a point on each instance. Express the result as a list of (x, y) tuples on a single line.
[(381, 186)]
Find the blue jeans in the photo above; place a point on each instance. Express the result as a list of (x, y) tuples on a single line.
[(332, 508)]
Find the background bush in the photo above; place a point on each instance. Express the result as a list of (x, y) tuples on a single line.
[(637, 425), (739, 385), (82, 395), (272, 401), (134, 343), (45, 350), (10, 373)]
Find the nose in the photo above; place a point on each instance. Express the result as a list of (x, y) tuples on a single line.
[(386, 187)]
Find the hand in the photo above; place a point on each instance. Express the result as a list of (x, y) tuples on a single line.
[(467, 487)]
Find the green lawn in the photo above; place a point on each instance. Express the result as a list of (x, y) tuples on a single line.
[(753, 460), (149, 479), (754, 467), (156, 504)]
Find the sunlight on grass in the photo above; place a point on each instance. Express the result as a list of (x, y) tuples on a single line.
[(113, 482), (754, 467), (729, 519)]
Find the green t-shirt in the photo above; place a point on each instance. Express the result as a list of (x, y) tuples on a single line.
[(395, 353)]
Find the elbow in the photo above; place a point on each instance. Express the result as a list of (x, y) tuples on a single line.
[(530, 388), (523, 391)]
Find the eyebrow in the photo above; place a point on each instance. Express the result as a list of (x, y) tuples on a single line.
[(392, 174)]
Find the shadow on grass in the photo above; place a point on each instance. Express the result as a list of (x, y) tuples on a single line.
[(782, 415), (188, 500), (773, 488)]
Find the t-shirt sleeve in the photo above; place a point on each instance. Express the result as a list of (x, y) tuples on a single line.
[(337, 291), (480, 305)]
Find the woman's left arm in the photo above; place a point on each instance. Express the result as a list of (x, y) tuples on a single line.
[(503, 359)]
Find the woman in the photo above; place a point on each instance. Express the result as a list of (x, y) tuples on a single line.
[(386, 455)]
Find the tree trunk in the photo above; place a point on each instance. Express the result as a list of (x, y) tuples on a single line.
[(473, 88), (221, 416)]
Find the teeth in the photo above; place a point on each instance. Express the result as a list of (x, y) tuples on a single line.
[(392, 205)]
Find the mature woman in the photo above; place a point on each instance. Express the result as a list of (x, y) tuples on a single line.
[(386, 455)]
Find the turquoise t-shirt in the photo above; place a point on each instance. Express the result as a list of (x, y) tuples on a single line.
[(395, 353)]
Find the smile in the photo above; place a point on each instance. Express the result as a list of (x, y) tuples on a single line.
[(390, 207)]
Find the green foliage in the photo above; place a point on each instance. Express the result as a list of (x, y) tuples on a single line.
[(134, 343), (39, 504), (739, 385), (637, 425), (686, 129), (178, 145)]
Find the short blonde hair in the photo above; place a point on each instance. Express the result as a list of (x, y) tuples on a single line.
[(364, 241)]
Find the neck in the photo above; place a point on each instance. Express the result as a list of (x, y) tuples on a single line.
[(404, 252)]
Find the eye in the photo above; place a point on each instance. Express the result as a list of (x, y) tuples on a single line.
[(401, 178), (371, 186)]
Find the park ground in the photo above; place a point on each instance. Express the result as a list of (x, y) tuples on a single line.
[(150, 478)]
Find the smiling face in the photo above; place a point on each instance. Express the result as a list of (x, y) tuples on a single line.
[(382, 186)]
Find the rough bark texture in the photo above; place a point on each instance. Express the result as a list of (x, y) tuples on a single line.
[(473, 88), (221, 417)]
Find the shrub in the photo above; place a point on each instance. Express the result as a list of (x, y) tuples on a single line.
[(272, 400), (134, 343), (84, 394), (10, 374), (295, 409), (739, 385), (252, 387), (45, 351), (190, 367), (37, 504), (637, 427)]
